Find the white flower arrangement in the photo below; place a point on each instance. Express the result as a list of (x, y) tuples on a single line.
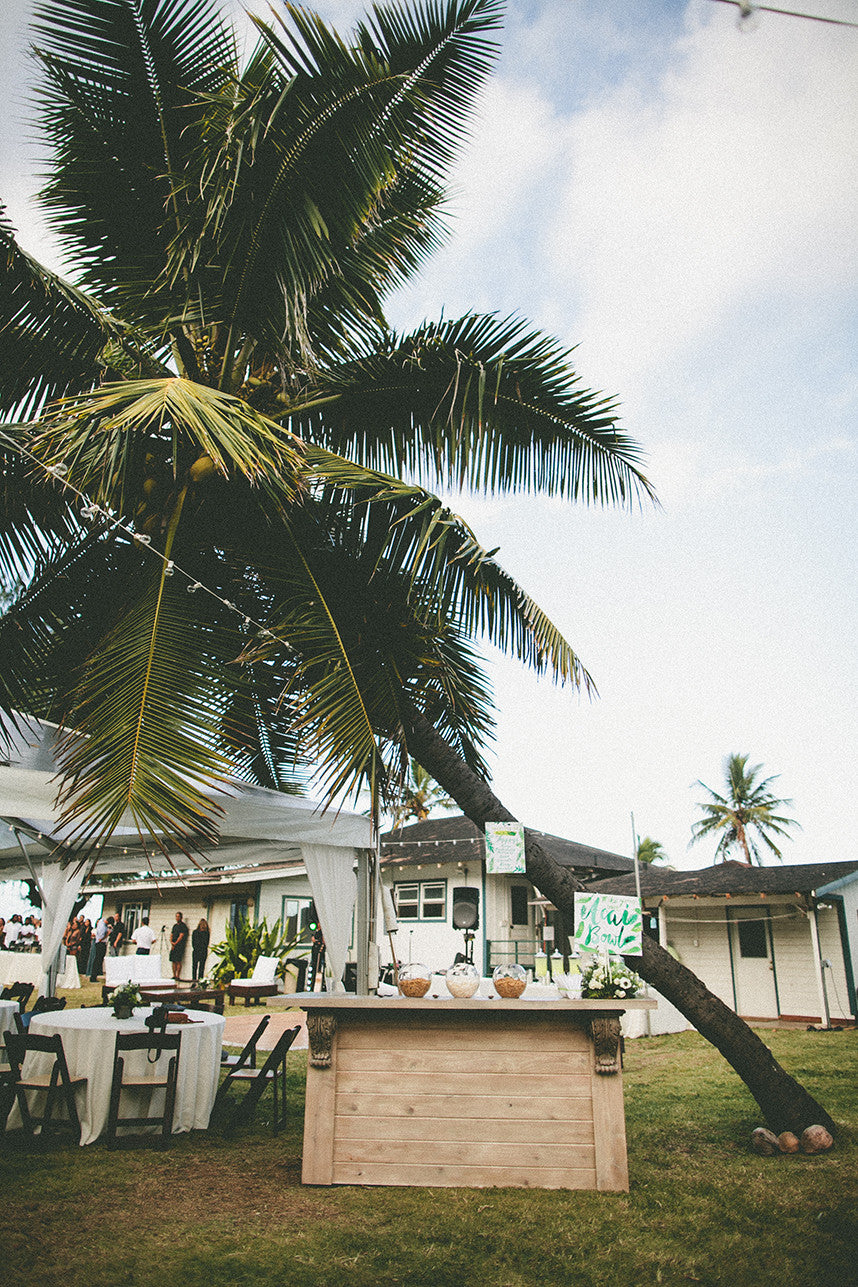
[(126, 994), (605, 977)]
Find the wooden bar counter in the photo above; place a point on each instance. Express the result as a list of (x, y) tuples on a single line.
[(468, 1093)]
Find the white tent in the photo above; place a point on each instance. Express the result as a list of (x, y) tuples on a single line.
[(257, 825)]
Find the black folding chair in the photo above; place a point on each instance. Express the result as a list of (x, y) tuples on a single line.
[(20, 992), (42, 1005), (59, 1086), (152, 1078), (272, 1072), (247, 1058)]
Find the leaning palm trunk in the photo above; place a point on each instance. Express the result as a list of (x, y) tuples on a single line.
[(785, 1104)]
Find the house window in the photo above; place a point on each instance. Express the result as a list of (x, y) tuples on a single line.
[(132, 914), (238, 912), (298, 917), (519, 910), (752, 938), (421, 900)]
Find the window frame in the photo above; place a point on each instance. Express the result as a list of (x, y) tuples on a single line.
[(422, 898)]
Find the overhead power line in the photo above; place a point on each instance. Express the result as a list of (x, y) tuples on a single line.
[(748, 10)]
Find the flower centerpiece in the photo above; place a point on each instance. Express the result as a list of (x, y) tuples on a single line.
[(608, 976), (124, 999)]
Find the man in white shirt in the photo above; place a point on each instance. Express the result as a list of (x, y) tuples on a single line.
[(13, 932), (143, 938)]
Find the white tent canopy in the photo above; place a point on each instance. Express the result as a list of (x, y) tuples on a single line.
[(257, 825)]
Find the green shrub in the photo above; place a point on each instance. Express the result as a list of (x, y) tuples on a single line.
[(245, 942)]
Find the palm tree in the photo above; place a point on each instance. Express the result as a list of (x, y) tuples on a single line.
[(420, 796), (216, 404), (650, 850), (744, 814), (217, 401)]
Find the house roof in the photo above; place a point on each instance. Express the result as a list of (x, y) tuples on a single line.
[(729, 878), (456, 839)]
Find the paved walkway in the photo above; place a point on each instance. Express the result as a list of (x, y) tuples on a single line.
[(240, 1027)]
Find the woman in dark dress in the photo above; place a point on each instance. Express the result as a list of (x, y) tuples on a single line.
[(178, 943), (200, 949)]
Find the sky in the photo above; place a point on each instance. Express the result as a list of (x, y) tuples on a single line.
[(677, 198)]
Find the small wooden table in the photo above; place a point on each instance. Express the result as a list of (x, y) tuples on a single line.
[(467, 1093)]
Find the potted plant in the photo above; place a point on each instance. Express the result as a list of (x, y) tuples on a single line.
[(124, 999)]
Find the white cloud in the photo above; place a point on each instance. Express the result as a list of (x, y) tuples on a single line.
[(738, 175)]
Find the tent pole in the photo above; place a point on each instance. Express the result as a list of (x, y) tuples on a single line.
[(362, 927)]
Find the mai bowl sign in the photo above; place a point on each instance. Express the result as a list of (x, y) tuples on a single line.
[(609, 922)]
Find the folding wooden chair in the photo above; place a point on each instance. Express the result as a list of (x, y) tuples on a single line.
[(154, 1078), (58, 1085), (247, 1058), (20, 992), (42, 1005), (272, 1072)]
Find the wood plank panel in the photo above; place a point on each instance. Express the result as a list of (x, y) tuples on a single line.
[(457, 1153), (548, 1038), (513, 1063), (609, 1123), (319, 1124), (524, 1108), (463, 1176), (477, 1130), (485, 1084)]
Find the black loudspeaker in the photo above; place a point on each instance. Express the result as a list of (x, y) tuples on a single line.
[(466, 908)]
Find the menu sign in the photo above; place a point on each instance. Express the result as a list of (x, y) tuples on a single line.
[(504, 848), (610, 922)]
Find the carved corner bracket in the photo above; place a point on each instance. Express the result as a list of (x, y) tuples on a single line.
[(605, 1033), (320, 1033)]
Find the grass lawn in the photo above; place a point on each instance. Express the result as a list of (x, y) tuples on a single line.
[(212, 1212)]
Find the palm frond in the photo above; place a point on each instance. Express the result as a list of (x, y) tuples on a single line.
[(143, 751), (446, 563), (114, 438), (122, 79), (53, 336), (475, 402)]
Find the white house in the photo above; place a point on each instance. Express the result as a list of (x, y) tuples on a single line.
[(771, 942)]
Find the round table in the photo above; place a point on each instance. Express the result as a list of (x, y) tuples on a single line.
[(8, 1010), (89, 1037)]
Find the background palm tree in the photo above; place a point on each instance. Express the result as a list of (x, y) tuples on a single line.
[(650, 850), (744, 815), (421, 794)]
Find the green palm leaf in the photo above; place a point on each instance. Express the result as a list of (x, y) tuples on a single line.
[(475, 402)]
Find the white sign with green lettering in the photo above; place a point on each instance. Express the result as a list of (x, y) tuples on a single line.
[(504, 847), (609, 921)]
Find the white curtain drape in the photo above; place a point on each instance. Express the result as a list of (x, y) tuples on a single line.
[(330, 870), (60, 887)]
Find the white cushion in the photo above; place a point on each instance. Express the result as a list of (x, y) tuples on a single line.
[(265, 969)]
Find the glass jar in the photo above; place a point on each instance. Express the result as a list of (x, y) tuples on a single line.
[(462, 980), (509, 980), (414, 979)]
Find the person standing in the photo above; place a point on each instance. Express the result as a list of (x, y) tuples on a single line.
[(99, 946), (143, 938), (116, 937), (178, 942), (200, 949)]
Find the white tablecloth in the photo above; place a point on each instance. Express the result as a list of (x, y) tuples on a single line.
[(89, 1037), (8, 1009), (21, 967)]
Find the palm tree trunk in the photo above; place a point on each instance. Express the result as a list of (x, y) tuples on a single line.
[(784, 1103)]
